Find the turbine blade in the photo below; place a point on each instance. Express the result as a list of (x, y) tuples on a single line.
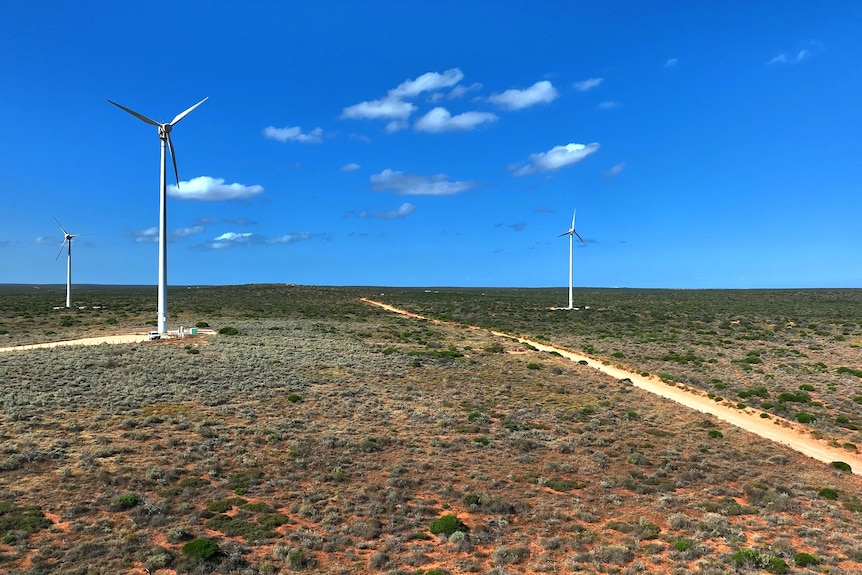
[(61, 250), (573, 218), (182, 115), (65, 233), (135, 114), (579, 237), (565, 234), (173, 159)]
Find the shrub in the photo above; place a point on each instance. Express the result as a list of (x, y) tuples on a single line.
[(293, 398), (447, 525), (841, 465), (715, 434), (126, 501), (228, 330), (481, 440), (533, 366), (828, 493), (682, 545), (806, 387), (805, 559), (203, 549), (27, 519), (202, 324), (804, 417)]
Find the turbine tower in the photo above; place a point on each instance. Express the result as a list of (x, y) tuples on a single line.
[(67, 239), (165, 137), (571, 233)]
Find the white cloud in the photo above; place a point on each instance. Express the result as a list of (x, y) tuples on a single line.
[(393, 106), (293, 133), (209, 189), (231, 239), (46, 240), (428, 82), (401, 211), (290, 238), (186, 232), (608, 105), (514, 99), (234, 239), (554, 159), (146, 236), (456, 92), (615, 170), (151, 235), (349, 167), (671, 62), (383, 109), (586, 85), (440, 120), (416, 185), (811, 48)]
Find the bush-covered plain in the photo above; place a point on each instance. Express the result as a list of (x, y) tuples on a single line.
[(329, 436)]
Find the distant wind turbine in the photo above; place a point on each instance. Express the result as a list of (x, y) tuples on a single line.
[(67, 239), (571, 233), (165, 137)]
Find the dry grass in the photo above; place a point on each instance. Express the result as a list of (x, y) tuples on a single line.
[(326, 437)]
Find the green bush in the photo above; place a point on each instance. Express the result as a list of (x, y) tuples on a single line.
[(682, 545), (27, 519), (805, 559), (202, 324), (447, 525), (804, 417), (715, 434), (203, 549), (125, 501), (828, 493), (841, 465), (228, 330)]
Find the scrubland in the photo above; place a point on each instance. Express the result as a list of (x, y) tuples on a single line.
[(328, 436)]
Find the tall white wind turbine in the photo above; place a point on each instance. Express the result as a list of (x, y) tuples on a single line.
[(67, 239), (165, 137), (571, 233)]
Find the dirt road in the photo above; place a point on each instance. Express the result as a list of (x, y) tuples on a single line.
[(123, 338), (783, 431)]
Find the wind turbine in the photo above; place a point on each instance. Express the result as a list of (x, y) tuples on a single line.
[(571, 233), (165, 137), (67, 239)]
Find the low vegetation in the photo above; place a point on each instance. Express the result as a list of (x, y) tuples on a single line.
[(329, 436)]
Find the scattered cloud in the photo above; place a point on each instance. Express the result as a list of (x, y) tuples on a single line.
[(544, 210), (294, 134), (416, 185), (394, 106), (46, 240), (608, 105), (518, 227), (232, 221), (5, 244), (671, 62), (290, 238), (428, 82), (810, 49), (235, 239), (151, 235), (186, 232), (231, 239), (440, 120), (349, 167), (401, 211), (455, 93), (538, 93), (586, 85), (615, 170), (554, 159), (207, 189)]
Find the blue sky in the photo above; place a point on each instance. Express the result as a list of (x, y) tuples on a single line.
[(711, 144)]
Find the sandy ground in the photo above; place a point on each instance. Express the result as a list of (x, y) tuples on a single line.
[(123, 338), (119, 338), (779, 430)]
